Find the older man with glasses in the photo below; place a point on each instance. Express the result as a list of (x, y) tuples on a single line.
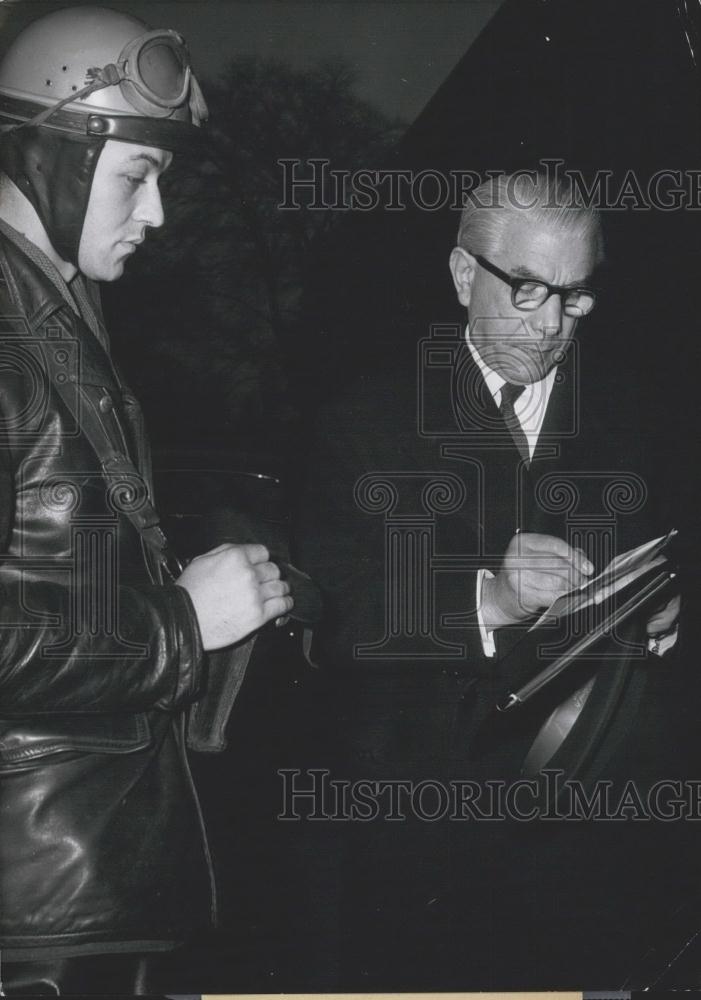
[(523, 313), (440, 524)]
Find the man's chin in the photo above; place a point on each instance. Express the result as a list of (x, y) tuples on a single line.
[(523, 365), (106, 273), (523, 371), (519, 364)]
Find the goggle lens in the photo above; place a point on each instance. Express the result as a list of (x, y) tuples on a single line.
[(163, 70)]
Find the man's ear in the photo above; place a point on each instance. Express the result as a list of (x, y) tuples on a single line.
[(463, 267)]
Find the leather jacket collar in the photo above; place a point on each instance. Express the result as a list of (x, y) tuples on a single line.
[(41, 301)]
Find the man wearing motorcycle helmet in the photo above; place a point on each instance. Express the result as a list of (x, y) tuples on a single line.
[(103, 856)]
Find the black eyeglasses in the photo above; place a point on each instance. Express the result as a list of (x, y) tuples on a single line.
[(528, 294)]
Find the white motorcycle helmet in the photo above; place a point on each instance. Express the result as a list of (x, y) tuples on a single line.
[(80, 68), (75, 78)]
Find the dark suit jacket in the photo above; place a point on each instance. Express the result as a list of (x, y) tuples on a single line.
[(413, 485), (410, 470)]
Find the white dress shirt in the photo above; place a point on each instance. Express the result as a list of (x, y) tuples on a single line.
[(531, 405), (529, 410)]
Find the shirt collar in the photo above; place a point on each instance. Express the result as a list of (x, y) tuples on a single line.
[(494, 380), (39, 295)]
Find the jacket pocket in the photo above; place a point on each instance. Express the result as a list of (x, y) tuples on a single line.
[(23, 741)]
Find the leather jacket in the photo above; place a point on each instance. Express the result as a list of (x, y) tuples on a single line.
[(102, 846)]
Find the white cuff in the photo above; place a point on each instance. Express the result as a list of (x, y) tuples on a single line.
[(486, 634)]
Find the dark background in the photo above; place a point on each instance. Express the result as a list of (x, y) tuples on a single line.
[(236, 320), (604, 87)]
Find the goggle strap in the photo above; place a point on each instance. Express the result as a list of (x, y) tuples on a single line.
[(198, 105), (99, 79)]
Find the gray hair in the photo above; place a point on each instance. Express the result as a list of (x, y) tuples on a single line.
[(550, 200)]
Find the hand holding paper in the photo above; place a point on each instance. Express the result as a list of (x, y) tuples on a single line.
[(646, 564), (536, 571)]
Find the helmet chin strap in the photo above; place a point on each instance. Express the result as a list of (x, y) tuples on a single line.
[(54, 171)]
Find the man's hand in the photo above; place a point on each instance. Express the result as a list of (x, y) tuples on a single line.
[(536, 569), (665, 618), (235, 589)]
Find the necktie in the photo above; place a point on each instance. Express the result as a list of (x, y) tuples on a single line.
[(509, 395)]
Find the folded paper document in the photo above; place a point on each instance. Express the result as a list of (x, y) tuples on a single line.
[(620, 572)]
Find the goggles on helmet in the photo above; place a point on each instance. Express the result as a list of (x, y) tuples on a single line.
[(154, 76)]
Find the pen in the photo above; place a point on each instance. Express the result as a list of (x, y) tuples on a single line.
[(513, 698)]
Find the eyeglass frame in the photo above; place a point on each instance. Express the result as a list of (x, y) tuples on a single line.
[(514, 283)]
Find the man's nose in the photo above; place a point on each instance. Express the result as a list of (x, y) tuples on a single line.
[(547, 321), (150, 208)]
